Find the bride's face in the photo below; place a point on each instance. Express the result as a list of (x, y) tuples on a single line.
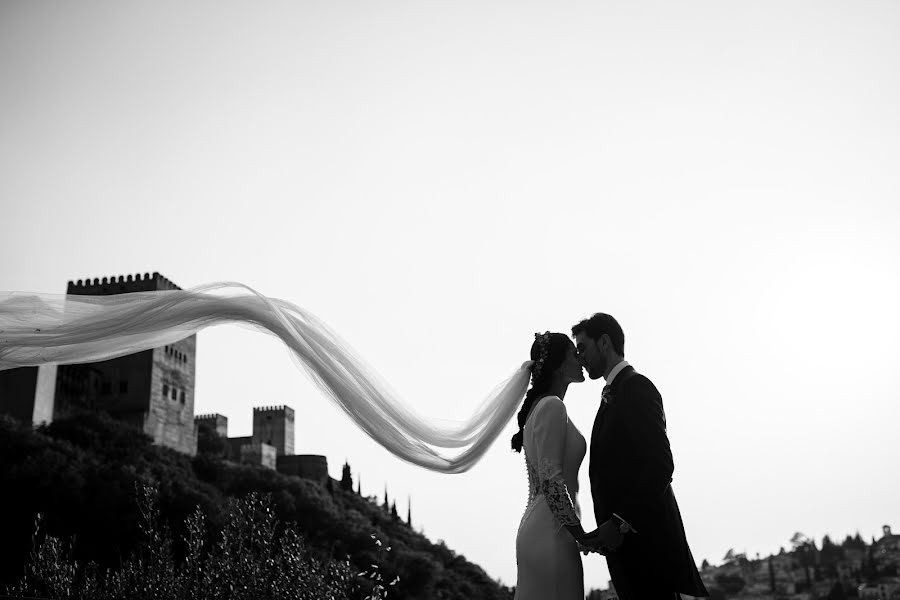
[(590, 356), (571, 366)]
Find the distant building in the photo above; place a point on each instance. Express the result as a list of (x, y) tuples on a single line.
[(215, 421), (886, 551), (884, 588), (153, 390), (271, 445), (306, 466), (259, 454), (274, 425)]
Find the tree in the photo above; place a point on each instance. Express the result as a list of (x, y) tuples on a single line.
[(837, 592), (730, 584), (771, 576), (209, 442), (870, 569), (705, 565), (81, 475), (346, 478), (831, 553), (798, 540), (803, 548)]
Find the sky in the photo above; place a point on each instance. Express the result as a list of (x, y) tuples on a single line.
[(438, 181)]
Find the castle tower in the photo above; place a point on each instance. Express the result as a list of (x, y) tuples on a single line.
[(215, 421), (274, 425), (153, 389)]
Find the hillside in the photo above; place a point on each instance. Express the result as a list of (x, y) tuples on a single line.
[(82, 474)]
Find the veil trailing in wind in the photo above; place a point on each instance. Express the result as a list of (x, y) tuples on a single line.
[(39, 329)]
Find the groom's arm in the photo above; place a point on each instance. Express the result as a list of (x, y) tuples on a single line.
[(646, 424)]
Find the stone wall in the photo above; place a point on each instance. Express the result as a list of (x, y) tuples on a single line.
[(170, 418), (307, 466), (234, 447), (259, 454)]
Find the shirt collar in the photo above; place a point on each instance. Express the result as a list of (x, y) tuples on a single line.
[(615, 371)]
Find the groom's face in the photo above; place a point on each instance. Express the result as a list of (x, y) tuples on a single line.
[(592, 357)]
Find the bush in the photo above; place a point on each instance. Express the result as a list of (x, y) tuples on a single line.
[(256, 557), (81, 475)]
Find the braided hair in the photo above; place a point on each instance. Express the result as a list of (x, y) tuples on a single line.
[(548, 351)]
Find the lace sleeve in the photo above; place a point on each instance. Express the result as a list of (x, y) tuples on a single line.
[(554, 489), (550, 441)]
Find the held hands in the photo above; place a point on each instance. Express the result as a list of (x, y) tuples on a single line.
[(605, 539)]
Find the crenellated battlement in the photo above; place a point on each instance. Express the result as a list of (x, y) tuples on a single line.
[(208, 417), (120, 284), (278, 408), (214, 420)]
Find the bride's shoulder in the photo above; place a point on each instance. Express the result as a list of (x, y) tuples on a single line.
[(550, 405)]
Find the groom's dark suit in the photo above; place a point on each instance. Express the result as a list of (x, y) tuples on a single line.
[(631, 473)]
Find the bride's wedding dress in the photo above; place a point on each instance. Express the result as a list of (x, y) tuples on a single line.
[(549, 564)]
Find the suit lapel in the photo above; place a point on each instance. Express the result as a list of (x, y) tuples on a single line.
[(604, 406), (621, 377)]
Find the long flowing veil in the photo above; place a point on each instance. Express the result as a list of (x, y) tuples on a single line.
[(38, 329)]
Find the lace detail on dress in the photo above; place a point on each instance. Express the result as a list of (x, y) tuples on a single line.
[(554, 489)]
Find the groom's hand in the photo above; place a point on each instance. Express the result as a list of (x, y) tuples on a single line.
[(589, 544), (607, 537), (597, 541)]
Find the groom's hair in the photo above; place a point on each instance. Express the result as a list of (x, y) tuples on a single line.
[(599, 324)]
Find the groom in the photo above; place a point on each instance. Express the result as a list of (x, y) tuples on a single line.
[(631, 473)]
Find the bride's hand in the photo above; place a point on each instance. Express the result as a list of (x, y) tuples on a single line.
[(590, 543)]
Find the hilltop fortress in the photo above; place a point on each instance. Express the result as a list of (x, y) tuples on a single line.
[(152, 390)]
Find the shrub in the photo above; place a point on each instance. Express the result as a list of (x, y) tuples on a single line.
[(255, 557)]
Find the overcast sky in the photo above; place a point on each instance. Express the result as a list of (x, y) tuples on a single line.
[(438, 181)]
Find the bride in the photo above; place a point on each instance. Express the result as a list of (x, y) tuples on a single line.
[(39, 329), (547, 553)]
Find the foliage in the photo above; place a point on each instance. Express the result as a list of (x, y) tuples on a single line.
[(730, 584), (81, 473), (254, 557)]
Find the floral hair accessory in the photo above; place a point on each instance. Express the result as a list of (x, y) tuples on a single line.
[(543, 342)]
